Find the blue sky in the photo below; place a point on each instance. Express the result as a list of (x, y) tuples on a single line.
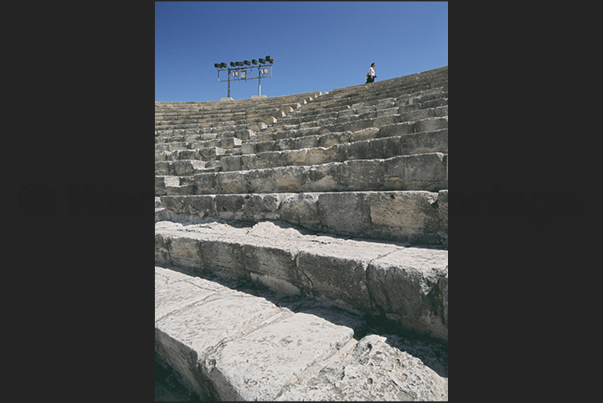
[(316, 46)]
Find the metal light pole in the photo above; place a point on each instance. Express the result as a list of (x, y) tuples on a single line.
[(238, 71)]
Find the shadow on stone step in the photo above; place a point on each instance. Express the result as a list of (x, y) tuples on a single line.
[(168, 387)]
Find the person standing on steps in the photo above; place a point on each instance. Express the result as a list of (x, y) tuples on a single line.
[(370, 77)]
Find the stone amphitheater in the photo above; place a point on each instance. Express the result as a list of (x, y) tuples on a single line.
[(301, 245)]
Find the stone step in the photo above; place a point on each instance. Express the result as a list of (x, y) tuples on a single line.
[(377, 148), (264, 345), (412, 217), (404, 138), (427, 171), (407, 285), (350, 123), (335, 110)]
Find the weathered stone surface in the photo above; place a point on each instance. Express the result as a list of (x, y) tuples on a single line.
[(301, 208), (405, 285), (373, 370), (344, 213), (359, 274), (443, 214), (362, 175), (258, 365), (417, 172), (407, 215), (193, 316)]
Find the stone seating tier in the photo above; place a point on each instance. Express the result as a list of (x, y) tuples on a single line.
[(263, 346), (413, 217), (358, 274), (314, 119)]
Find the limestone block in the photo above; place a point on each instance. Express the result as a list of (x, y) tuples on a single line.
[(245, 134), (381, 121), (180, 190), (307, 141), (431, 124), (162, 167), (364, 134), (231, 182), (201, 206), (224, 258), (259, 181), (344, 213), (178, 341), (269, 159), (161, 155), (408, 216), (386, 147), (296, 157), (229, 142), (162, 249), (357, 150), (173, 293), (374, 370), (332, 139), (396, 129), (206, 183), (362, 175), (185, 252), (248, 148), (162, 182), (356, 125), (211, 153), (185, 154), (230, 163), (419, 171), (177, 204), (229, 207), (258, 365), (321, 155), (261, 206), (284, 144), (321, 178), (425, 142), (187, 167), (301, 208), (270, 120), (247, 162), (405, 285), (327, 272), (290, 178), (277, 263)]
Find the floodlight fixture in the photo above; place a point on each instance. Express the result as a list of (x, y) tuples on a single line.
[(238, 71)]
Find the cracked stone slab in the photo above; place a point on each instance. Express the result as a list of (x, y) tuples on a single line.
[(374, 370), (258, 365), (405, 284)]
